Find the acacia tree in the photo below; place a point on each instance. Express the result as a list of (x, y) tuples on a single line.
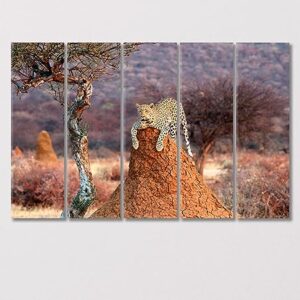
[(209, 111), (42, 65)]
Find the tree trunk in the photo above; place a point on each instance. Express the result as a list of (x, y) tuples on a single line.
[(79, 144), (201, 159)]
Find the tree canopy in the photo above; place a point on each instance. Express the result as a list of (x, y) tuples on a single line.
[(37, 64)]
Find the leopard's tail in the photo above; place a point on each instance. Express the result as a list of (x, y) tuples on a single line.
[(185, 131)]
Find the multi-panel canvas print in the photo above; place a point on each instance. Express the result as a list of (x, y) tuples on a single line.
[(150, 130), (37, 76)]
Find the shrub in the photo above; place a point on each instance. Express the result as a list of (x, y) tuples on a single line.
[(37, 184), (263, 182)]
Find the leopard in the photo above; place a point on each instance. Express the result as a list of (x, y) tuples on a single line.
[(162, 116)]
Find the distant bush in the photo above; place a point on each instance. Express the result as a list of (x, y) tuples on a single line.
[(115, 172), (36, 184), (263, 185), (101, 152)]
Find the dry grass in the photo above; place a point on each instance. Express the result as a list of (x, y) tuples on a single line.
[(38, 188), (217, 174), (21, 212), (263, 185), (106, 169)]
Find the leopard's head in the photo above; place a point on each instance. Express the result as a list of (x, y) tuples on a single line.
[(146, 113)]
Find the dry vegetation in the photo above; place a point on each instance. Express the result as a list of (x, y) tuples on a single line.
[(263, 185), (20, 212), (37, 188), (218, 176)]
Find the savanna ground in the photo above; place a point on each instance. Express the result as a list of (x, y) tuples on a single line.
[(38, 189), (217, 175), (262, 183)]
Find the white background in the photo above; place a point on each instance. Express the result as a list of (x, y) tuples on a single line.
[(147, 260)]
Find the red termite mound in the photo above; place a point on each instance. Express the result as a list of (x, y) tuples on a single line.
[(151, 185)]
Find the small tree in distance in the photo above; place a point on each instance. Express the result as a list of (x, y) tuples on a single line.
[(42, 65), (209, 111)]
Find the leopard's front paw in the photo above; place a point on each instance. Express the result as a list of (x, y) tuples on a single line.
[(159, 146), (135, 144), (143, 125)]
